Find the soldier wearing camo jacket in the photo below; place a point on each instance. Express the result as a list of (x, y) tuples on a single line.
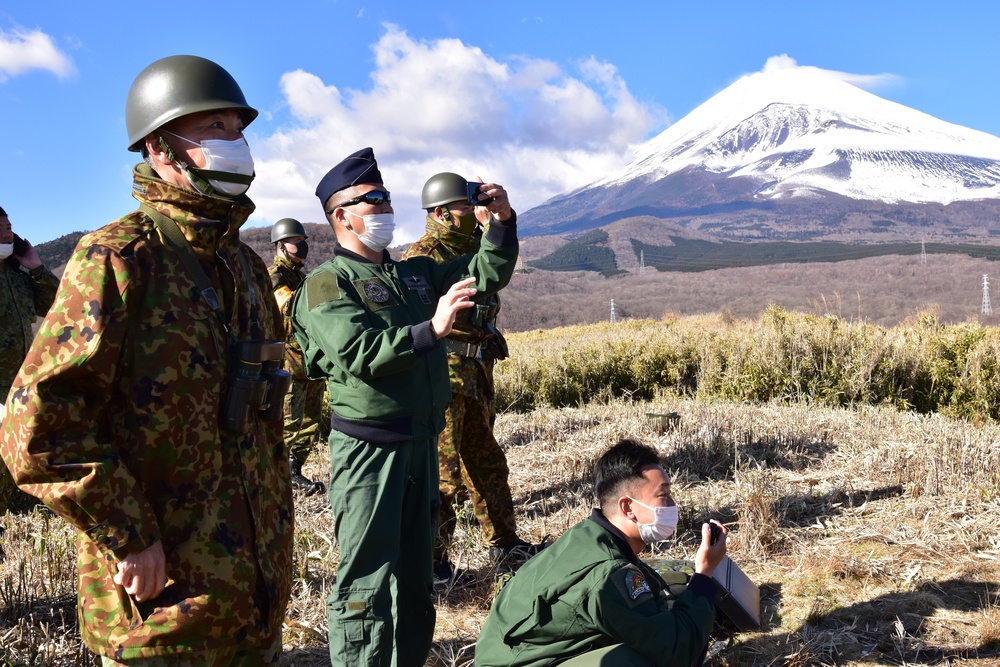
[(27, 290), (470, 461), (303, 410), (128, 418)]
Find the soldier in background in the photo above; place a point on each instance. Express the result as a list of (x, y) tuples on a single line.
[(470, 460), (27, 291), (141, 414), (303, 408)]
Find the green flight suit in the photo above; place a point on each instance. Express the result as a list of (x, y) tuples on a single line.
[(365, 327), (588, 592)]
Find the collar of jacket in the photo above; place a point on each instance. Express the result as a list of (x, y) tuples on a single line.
[(206, 222), (283, 262), (341, 251), (619, 537), (451, 237)]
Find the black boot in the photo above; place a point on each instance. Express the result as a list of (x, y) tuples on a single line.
[(302, 483)]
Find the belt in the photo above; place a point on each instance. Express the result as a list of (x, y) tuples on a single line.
[(458, 347)]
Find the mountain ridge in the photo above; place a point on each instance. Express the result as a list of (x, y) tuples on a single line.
[(784, 141)]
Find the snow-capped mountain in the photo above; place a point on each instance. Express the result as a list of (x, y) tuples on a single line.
[(783, 142)]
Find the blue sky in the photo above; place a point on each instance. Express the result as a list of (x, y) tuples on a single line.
[(543, 97)]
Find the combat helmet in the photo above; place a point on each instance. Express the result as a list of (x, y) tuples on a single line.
[(176, 86), (286, 228), (443, 188)]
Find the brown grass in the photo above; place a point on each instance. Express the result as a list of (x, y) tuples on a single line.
[(871, 532)]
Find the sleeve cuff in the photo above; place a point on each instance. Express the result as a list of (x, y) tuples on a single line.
[(423, 337), (503, 233), (702, 585), (35, 272)]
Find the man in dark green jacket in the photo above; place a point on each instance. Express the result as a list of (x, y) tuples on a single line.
[(588, 600), (371, 327)]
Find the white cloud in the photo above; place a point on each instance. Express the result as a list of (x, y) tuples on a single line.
[(444, 105), (869, 82), (23, 50)]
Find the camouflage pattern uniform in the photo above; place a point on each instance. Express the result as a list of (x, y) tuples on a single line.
[(303, 409), (113, 422), (470, 460), (22, 298)]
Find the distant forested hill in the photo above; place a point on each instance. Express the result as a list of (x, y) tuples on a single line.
[(56, 253)]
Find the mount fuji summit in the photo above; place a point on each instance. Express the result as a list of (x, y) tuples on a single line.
[(797, 154)]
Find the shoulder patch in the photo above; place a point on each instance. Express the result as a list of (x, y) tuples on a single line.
[(321, 288), (632, 583)]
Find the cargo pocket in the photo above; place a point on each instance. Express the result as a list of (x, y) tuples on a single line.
[(356, 634)]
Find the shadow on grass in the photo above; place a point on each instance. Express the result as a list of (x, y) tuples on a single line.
[(555, 497), (891, 629), (715, 456)]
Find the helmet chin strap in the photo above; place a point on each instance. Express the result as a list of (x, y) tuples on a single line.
[(199, 177), (455, 223)]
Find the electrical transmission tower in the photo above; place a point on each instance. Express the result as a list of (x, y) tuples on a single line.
[(987, 308), (923, 252), (613, 317)]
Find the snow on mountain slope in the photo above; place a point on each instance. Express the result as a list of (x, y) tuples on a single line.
[(799, 132)]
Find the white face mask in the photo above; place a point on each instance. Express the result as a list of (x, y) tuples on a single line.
[(663, 525), (6, 250), (223, 157), (378, 230)]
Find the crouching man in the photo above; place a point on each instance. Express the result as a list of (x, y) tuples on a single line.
[(588, 599)]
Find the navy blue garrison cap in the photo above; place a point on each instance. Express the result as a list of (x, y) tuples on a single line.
[(3, 213), (356, 169)]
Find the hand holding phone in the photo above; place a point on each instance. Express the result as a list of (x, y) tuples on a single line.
[(474, 192)]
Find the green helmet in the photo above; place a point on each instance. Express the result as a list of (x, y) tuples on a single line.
[(286, 228), (176, 86), (443, 188)]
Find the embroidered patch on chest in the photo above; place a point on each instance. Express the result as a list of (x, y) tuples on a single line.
[(375, 291), (636, 584), (375, 294)]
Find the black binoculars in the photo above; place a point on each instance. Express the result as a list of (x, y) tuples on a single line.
[(257, 383)]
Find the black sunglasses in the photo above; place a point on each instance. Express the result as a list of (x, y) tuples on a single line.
[(373, 198)]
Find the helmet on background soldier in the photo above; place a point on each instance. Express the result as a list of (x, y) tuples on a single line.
[(287, 228), (443, 188), (176, 86)]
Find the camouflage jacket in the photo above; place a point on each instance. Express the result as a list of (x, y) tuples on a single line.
[(113, 422), (477, 326), (286, 278), (365, 326), (22, 298)]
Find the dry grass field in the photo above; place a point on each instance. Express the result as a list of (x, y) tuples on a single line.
[(872, 533)]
